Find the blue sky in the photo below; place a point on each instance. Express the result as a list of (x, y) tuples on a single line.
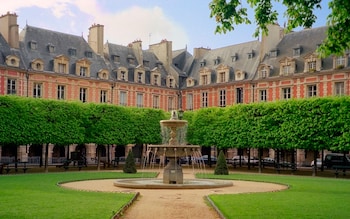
[(184, 22)]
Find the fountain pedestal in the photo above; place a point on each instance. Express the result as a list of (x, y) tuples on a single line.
[(172, 173)]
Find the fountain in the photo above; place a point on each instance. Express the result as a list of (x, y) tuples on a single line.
[(172, 173)]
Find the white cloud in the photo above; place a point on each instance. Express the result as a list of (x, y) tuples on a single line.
[(150, 25)]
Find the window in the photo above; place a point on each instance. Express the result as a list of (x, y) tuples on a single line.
[(286, 69), (339, 88), (251, 55), (83, 93), (139, 77), (103, 96), (273, 53), (312, 66), (123, 98), (156, 80), (156, 102), (202, 63), (62, 68), (72, 52), (296, 52), (204, 99), (286, 92), (88, 54), (51, 48), (222, 77), (239, 95), (33, 45), (263, 95), (37, 88), (311, 90), (116, 58), (234, 58), (263, 73), (60, 92), (217, 61), (171, 105), (139, 99), (171, 82), (11, 86), (189, 102), (204, 79), (340, 62), (83, 71), (222, 98)]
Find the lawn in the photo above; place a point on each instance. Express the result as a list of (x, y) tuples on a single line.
[(38, 196), (307, 197)]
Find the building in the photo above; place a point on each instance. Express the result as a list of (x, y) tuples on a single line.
[(47, 64)]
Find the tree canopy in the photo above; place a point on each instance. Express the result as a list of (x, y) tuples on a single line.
[(299, 13)]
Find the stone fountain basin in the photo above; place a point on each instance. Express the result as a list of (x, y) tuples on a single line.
[(174, 150), (158, 184), (173, 123)]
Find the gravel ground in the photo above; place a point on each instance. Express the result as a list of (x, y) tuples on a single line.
[(167, 203)]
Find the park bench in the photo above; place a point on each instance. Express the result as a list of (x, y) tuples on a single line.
[(283, 166), (15, 166), (342, 168)]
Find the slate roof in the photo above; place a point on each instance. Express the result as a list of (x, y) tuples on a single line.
[(125, 52), (307, 40), (62, 43), (225, 54)]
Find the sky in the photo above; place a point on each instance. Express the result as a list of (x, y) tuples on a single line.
[(186, 23)]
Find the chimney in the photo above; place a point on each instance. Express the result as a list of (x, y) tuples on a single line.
[(164, 52), (95, 38), (270, 41), (9, 29), (200, 52), (137, 48)]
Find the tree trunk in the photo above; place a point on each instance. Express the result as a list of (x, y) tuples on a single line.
[(98, 158), (314, 169), (47, 158)]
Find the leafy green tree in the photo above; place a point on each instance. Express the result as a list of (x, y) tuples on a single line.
[(130, 166), (300, 13), (221, 165)]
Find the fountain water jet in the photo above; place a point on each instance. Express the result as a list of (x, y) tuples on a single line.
[(172, 174)]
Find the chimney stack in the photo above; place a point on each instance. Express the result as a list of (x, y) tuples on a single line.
[(95, 38), (9, 29)]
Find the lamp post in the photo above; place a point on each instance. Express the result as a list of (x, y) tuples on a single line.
[(180, 113)]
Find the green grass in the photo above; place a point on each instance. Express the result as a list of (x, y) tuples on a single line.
[(307, 197), (38, 196)]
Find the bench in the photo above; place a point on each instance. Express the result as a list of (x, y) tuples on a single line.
[(338, 168), (15, 166), (283, 166)]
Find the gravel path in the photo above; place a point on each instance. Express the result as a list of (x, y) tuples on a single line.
[(174, 204)]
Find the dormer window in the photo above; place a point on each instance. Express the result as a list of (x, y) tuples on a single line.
[(234, 57), (116, 58), (12, 60), (273, 53), (88, 54), (190, 82), (139, 77), (122, 74), (72, 52), (202, 63), (222, 73), (251, 55), (155, 77), (287, 66), (296, 51), (312, 63), (51, 48), (33, 45), (239, 75), (103, 74), (145, 63), (82, 67), (170, 82), (340, 62), (61, 64), (37, 64), (83, 71), (264, 71), (217, 61), (204, 75)]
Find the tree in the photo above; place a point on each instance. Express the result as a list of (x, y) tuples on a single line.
[(130, 166), (300, 13), (221, 165)]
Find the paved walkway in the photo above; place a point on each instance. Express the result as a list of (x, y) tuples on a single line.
[(174, 204)]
